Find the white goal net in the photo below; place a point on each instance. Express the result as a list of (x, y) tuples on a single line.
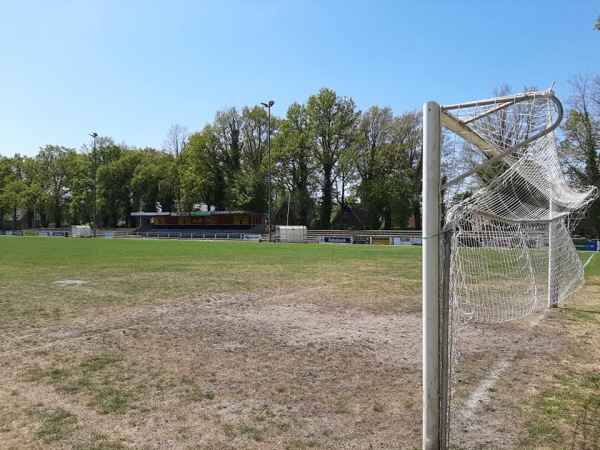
[(507, 212)]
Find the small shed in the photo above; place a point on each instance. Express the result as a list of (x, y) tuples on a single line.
[(291, 233), (81, 231)]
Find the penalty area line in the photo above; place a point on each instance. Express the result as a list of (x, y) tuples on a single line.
[(481, 394), (589, 259)]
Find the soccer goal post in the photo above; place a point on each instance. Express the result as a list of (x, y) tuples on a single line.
[(497, 212), (432, 136)]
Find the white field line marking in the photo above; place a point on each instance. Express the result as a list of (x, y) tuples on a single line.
[(589, 259), (481, 393)]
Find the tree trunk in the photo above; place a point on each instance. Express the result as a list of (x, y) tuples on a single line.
[(30, 218), (326, 204), (387, 219), (416, 211)]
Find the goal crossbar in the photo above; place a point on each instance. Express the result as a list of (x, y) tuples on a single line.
[(461, 128)]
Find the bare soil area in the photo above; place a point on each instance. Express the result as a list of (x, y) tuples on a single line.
[(281, 369)]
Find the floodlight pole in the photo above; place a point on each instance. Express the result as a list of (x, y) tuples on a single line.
[(95, 169), (432, 439), (268, 106)]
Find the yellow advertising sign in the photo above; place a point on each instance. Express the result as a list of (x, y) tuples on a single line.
[(380, 241), (211, 220)]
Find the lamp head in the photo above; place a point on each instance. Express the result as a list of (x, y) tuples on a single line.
[(94, 135)]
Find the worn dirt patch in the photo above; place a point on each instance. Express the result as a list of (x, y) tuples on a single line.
[(239, 371), (70, 282), (268, 370)]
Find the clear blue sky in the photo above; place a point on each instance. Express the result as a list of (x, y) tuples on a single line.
[(129, 69)]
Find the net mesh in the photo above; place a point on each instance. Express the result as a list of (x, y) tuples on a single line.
[(508, 213), (510, 217)]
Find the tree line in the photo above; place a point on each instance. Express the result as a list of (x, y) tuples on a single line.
[(324, 153)]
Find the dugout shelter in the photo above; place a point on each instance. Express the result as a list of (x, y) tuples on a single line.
[(201, 224)]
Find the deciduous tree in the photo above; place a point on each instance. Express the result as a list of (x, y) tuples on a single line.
[(581, 144), (151, 182), (175, 143), (295, 164), (57, 166), (331, 129), (203, 174)]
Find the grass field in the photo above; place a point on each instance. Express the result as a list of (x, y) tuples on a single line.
[(117, 344)]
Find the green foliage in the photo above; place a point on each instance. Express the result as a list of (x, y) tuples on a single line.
[(249, 192), (389, 163), (331, 128), (294, 171), (580, 147), (323, 153), (152, 181), (318, 161), (11, 197), (202, 175), (20, 188), (57, 162)]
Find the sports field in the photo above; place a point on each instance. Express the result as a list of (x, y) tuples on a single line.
[(118, 344)]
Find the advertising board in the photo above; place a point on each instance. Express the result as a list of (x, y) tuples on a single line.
[(335, 239)]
